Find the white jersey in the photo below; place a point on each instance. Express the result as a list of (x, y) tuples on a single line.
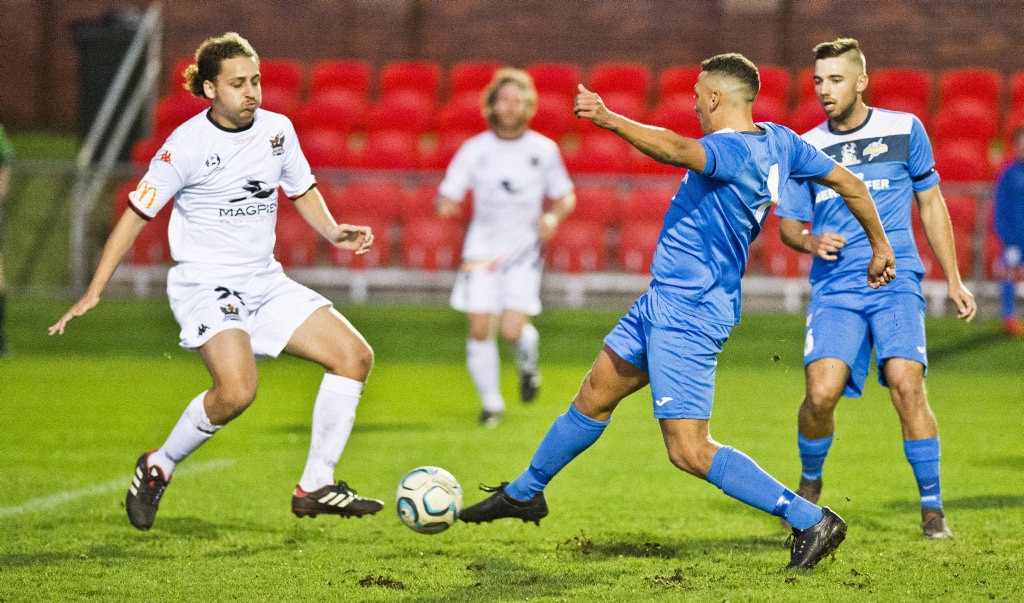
[(510, 180), (224, 184)]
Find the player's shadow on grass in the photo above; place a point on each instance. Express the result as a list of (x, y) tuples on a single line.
[(975, 503), (302, 429), (951, 349)]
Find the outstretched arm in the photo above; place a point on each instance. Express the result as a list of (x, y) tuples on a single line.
[(882, 267), (939, 231), (118, 243), (657, 143), (313, 210)]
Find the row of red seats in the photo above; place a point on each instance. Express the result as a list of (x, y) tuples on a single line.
[(610, 229), (351, 95), (405, 127)]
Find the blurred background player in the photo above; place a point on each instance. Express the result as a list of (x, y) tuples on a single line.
[(222, 169), (673, 334), (6, 155), (890, 151), (511, 171), (1009, 225)]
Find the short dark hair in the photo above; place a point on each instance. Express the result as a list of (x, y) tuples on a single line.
[(837, 48), (209, 56), (736, 66)]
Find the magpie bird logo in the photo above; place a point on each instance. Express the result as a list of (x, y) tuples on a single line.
[(256, 189)]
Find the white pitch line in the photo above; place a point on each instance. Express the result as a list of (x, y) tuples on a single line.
[(43, 503)]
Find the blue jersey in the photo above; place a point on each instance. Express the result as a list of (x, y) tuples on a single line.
[(1008, 214), (891, 153), (704, 244)]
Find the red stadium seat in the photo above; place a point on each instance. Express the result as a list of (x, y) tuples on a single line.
[(963, 212), (557, 78), (325, 148), (173, 110), (176, 76), (677, 80), (281, 84), (381, 201), (439, 155), (390, 150), (901, 89), (379, 254), (777, 258), (776, 82), (578, 246), (961, 240), (350, 75), (963, 161), (599, 152), (804, 83), (554, 117), (462, 113), (647, 203), (470, 78), (637, 242), (806, 116), (406, 110), (982, 84), (335, 109), (677, 114), (597, 204), (297, 244), (622, 80), (770, 109), (965, 118), (432, 243), (423, 77), (143, 151), (1015, 85), (419, 203)]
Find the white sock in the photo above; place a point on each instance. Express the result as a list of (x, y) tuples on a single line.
[(484, 365), (189, 433), (527, 348), (334, 413)]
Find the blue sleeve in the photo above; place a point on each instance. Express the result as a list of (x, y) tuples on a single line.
[(796, 201), (921, 163), (807, 161)]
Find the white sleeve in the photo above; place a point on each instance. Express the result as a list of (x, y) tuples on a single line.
[(457, 178)]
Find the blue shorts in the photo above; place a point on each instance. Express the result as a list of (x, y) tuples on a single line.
[(679, 355), (847, 325)]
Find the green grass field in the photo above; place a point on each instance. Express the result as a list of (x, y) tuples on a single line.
[(625, 524)]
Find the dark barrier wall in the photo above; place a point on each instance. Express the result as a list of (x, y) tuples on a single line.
[(39, 66)]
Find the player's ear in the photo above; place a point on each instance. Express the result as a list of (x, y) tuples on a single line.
[(862, 83), (209, 89)]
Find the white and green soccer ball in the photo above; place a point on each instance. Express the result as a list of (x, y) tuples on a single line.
[(428, 500)]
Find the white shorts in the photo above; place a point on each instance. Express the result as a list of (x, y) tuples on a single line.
[(486, 291), (264, 303)]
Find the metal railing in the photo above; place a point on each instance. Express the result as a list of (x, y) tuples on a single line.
[(91, 176)]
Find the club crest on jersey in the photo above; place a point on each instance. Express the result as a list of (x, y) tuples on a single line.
[(230, 312), (875, 149), (848, 155), (277, 144)]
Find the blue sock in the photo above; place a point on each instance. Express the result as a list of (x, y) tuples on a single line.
[(741, 478), (923, 456), (570, 434), (1007, 299), (812, 454)]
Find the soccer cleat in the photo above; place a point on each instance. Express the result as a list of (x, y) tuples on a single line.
[(808, 547), (143, 499), (933, 522), (1013, 327), (529, 384), (333, 500), (499, 505), (809, 490), (490, 418)]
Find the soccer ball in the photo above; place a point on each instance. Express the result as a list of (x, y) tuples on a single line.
[(428, 500)]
